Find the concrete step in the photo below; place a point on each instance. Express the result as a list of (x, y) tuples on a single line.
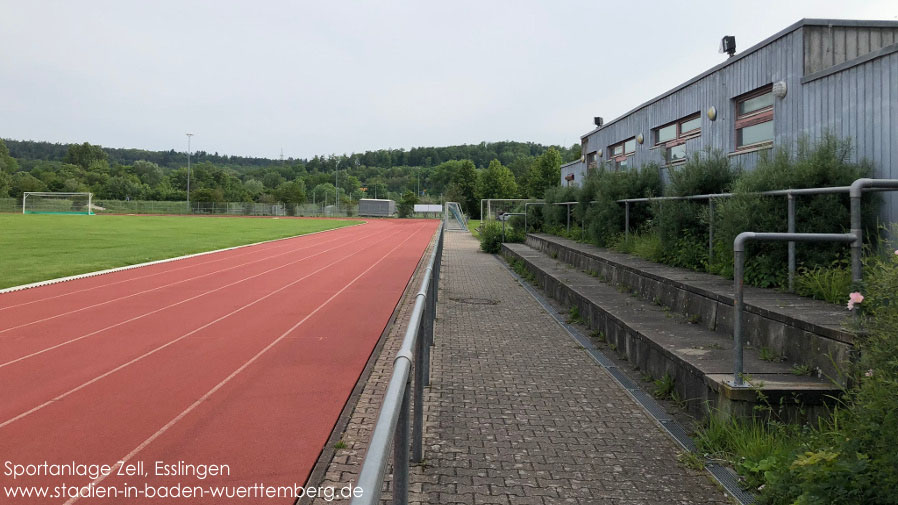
[(804, 331), (661, 342)]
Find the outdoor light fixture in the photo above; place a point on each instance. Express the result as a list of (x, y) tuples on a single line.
[(640, 138), (600, 153), (598, 121), (712, 113), (728, 45), (779, 89)]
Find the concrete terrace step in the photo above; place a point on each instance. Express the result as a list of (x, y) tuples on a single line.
[(660, 342), (804, 331)]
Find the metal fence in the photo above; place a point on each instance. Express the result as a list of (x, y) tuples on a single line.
[(203, 208), (393, 421)]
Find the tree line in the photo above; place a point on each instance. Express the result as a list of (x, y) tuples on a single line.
[(456, 173)]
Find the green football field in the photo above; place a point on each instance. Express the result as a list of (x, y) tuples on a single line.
[(40, 247)]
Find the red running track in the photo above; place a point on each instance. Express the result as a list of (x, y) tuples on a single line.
[(242, 358)]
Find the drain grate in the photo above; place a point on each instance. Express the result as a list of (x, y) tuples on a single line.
[(475, 301)]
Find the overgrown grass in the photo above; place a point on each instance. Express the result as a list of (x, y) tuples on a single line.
[(824, 283), (40, 247)]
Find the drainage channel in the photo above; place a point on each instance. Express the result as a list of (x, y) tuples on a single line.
[(725, 476)]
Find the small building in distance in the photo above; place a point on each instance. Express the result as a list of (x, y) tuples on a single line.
[(376, 207), (814, 77)]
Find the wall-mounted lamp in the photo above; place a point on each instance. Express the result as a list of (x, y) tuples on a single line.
[(712, 113), (780, 89), (640, 138)]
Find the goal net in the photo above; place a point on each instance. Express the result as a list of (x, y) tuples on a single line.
[(56, 203)]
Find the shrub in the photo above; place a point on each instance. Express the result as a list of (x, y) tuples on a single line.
[(823, 164), (490, 237), (831, 284), (603, 188), (683, 224)]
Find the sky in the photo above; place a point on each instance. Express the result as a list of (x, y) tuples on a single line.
[(255, 78)]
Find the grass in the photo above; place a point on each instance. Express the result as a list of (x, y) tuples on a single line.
[(473, 224), (40, 247)]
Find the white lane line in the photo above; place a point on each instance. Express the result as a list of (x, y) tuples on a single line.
[(182, 337), (236, 372), (67, 342), (77, 291), (156, 262), (138, 293)]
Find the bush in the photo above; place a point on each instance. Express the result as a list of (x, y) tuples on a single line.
[(491, 237), (601, 191), (831, 284), (821, 165), (682, 225)]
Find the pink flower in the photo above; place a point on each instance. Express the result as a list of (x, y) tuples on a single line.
[(896, 252), (854, 298)]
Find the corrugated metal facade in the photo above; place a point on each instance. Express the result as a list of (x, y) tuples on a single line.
[(841, 76)]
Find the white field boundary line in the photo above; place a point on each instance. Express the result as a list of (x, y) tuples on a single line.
[(240, 369), (156, 262), (178, 339), (135, 318), (150, 290), (62, 295)]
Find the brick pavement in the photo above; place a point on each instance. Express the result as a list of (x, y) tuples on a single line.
[(517, 412)]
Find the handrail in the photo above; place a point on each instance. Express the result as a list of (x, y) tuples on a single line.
[(392, 424)]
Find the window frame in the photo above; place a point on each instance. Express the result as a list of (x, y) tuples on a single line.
[(680, 136), (621, 158), (592, 160), (763, 115)]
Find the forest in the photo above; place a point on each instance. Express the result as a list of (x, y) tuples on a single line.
[(463, 173)]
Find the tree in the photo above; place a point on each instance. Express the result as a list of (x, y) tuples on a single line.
[(496, 181), (8, 164), (407, 204), (544, 173), (293, 192), (465, 182), (84, 154), (122, 187), (148, 172)]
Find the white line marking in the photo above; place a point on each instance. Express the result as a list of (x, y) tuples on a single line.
[(164, 308), (156, 262), (182, 337), (236, 372), (138, 293)]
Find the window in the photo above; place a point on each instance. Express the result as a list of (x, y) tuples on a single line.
[(592, 160), (621, 151), (754, 118), (672, 137)]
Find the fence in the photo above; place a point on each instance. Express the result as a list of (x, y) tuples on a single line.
[(202, 208), (392, 425)]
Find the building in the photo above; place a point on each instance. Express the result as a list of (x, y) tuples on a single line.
[(376, 207), (816, 76)]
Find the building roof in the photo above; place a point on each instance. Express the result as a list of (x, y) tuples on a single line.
[(729, 61)]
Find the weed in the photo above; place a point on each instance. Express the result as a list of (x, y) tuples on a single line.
[(693, 318), (340, 445), (664, 387), (768, 354), (612, 346), (807, 370), (691, 460), (598, 335), (573, 315), (679, 401)]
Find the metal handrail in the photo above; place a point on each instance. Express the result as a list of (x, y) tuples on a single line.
[(392, 424)]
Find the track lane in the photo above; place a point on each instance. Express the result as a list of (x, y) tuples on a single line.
[(36, 339), (119, 291), (168, 380)]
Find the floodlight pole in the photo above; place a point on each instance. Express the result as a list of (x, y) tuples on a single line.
[(188, 171), (336, 190)]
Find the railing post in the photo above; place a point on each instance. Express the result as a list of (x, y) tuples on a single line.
[(738, 272), (857, 245), (418, 421), (400, 453), (568, 207), (791, 225), (710, 231), (626, 220)]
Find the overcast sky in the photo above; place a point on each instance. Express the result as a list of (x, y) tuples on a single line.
[(255, 77)]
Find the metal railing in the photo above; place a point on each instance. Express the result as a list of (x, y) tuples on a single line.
[(393, 420), (790, 195), (855, 238)]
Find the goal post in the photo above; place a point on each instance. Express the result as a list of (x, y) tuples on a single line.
[(43, 202)]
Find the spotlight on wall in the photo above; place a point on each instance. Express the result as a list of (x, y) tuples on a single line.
[(598, 121), (728, 45)]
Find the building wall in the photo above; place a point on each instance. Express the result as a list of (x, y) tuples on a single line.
[(856, 101)]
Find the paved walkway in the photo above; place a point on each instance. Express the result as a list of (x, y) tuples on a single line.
[(517, 412)]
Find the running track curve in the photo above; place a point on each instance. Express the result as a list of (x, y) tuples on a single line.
[(242, 358)]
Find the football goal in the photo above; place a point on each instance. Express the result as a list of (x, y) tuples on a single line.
[(56, 203)]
